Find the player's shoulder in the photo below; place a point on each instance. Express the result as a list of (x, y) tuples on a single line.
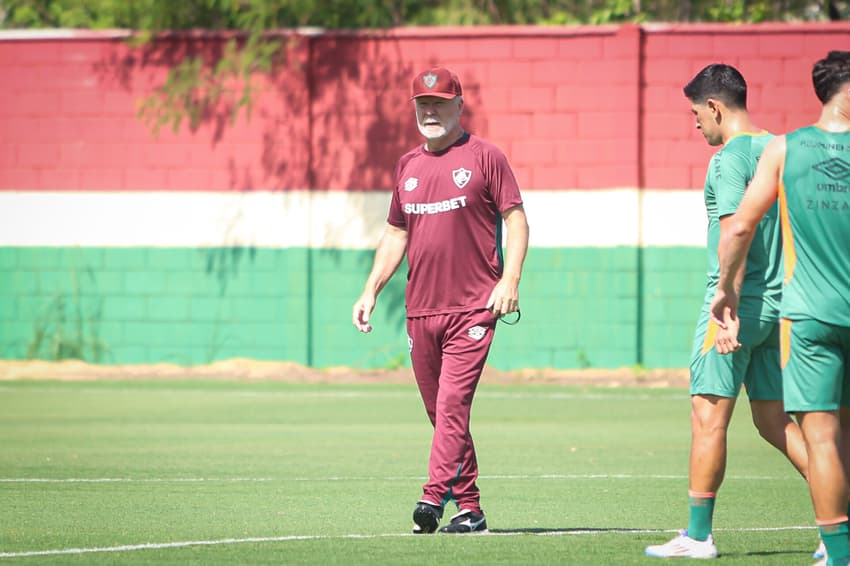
[(741, 149), (775, 148), (411, 154), (808, 129), (479, 142), (747, 142), (484, 148), (806, 136)]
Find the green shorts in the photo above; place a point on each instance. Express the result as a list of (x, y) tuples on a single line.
[(815, 365), (755, 365)]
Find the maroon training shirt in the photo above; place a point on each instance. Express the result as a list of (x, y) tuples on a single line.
[(450, 203)]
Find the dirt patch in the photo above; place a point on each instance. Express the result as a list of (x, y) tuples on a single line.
[(245, 369)]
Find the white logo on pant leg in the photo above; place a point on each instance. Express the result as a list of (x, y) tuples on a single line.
[(409, 343), (477, 332), (461, 177)]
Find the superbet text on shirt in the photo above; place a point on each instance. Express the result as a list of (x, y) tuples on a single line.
[(451, 204)]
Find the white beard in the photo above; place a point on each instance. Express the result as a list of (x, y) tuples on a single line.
[(434, 132)]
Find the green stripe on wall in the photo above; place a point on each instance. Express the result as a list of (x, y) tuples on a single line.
[(190, 306)]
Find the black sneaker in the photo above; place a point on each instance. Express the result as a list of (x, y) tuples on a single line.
[(466, 522), (426, 517)]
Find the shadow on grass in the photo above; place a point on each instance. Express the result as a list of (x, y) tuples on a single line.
[(806, 553), (574, 531), (791, 553)]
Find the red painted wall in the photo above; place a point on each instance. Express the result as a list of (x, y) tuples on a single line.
[(776, 61), (573, 107)]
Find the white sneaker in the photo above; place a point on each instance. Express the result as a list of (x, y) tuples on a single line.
[(684, 546), (820, 552)]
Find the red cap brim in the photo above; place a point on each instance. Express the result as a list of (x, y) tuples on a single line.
[(446, 95)]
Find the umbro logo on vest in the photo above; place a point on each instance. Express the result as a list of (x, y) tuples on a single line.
[(835, 168)]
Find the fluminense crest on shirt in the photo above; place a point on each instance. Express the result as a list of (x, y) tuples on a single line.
[(411, 184), (430, 80), (461, 177), (477, 332)]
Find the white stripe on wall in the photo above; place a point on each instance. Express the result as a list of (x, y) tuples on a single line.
[(599, 218), (328, 219), (674, 218)]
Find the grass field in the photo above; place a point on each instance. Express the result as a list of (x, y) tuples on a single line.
[(220, 472)]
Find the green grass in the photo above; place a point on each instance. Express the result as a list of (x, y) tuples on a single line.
[(568, 476)]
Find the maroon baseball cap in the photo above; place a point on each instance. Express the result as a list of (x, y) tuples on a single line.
[(438, 81)]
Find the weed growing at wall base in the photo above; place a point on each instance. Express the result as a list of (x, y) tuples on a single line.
[(66, 330)]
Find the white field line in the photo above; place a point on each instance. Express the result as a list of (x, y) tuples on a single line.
[(183, 544), (371, 395), (131, 480), (520, 477)]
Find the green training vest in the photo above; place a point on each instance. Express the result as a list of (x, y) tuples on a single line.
[(815, 206), (729, 173)]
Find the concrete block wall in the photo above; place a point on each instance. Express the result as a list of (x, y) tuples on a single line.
[(130, 229), (775, 59), (69, 123)]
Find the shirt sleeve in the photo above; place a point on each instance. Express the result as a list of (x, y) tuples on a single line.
[(503, 185), (396, 214), (732, 173)]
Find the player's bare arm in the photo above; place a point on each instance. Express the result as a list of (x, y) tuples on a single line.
[(736, 240), (388, 257), (505, 296), (726, 339)]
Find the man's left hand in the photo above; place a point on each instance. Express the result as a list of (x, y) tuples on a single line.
[(726, 340), (503, 299)]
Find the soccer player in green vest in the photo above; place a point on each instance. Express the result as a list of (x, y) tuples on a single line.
[(718, 96), (809, 171)]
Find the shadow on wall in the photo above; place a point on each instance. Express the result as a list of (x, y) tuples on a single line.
[(362, 124), (183, 111), (334, 113), (143, 69), (364, 121)]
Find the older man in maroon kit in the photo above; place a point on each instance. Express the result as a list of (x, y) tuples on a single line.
[(450, 197)]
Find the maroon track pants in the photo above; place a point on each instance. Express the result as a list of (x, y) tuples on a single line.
[(448, 352)]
